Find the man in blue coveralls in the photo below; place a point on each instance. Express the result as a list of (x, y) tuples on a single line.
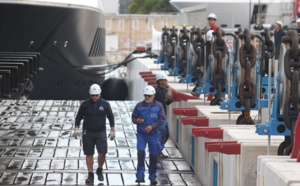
[(149, 115), (165, 99), (94, 111)]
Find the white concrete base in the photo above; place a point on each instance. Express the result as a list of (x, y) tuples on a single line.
[(243, 167), (218, 116), (277, 171), (204, 161), (185, 134)]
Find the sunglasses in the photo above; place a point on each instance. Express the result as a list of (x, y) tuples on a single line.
[(147, 95), (94, 95)]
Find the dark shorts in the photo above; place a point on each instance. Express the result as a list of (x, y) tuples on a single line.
[(92, 139)]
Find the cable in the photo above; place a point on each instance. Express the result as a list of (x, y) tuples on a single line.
[(109, 68), (101, 71)]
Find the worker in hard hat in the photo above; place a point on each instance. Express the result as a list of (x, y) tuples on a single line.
[(212, 21), (148, 115), (164, 96), (278, 34), (94, 112)]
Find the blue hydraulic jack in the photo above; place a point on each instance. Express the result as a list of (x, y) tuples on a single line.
[(182, 57), (285, 107), (172, 54), (195, 35), (165, 65), (176, 71), (164, 54), (208, 88), (234, 102), (198, 58), (265, 86), (274, 126), (215, 79), (189, 78), (245, 94)]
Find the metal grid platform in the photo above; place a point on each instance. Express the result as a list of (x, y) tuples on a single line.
[(36, 147)]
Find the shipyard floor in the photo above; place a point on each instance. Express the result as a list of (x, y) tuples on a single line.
[(37, 147)]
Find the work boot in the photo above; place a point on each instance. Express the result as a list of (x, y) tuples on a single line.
[(162, 156), (140, 180), (99, 174), (90, 179), (153, 182)]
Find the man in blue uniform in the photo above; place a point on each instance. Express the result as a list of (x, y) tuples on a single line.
[(148, 115), (94, 111), (165, 99)]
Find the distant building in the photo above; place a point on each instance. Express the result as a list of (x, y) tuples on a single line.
[(134, 29)]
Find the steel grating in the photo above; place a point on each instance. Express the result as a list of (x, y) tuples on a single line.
[(36, 147)]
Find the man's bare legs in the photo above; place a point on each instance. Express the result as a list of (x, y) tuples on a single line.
[(101, 159), (90, 162)]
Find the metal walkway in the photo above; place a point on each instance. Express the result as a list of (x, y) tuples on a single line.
[(36, 147)]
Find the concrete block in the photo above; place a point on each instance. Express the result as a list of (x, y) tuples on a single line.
[(243, 167), (278, 171), (185, 134), (204, 161), (220, 117)]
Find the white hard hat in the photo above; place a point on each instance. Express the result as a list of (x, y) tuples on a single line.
[(95, 89), (212, 16), (279, 23), (149, 90), (298, 20), (160, 76), (209, 35)]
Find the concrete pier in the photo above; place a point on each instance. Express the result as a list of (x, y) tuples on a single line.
[(37, 147)]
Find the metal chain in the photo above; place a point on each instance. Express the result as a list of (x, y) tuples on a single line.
[(184, 44), (198, 44), (219, 49), (291, 70), (291, 106), (173, 51), (268, 52), (165, 37), (247, 88)]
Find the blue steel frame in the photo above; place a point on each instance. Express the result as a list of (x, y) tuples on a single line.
[(193, 152), (208, 88), (215, 172), (177, 131), (189, 76), (232, 103), (271, 128), (175, 71)]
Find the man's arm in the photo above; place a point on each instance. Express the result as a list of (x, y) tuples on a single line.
[(134, 115), (135, 118), (111, 120), (161, 117), (110, 117), (79, 116), (169, 101)]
